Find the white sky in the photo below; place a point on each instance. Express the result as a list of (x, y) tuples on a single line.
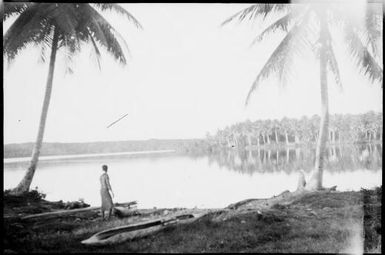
[(187, 76)]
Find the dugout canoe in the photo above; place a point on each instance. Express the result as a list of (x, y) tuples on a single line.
[(129, 232), (67, 212)]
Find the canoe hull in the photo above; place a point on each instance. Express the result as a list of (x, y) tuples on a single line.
[(125, 234), (120, 238)]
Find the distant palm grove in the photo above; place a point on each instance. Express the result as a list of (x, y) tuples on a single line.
[(345, 128)]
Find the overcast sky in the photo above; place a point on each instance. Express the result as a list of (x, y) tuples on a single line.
[(186, 76)]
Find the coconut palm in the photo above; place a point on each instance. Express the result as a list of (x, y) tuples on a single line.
[(257, 130), (248, 132), (307, 28), (267, 127), (379, 125), (286, 127), (276, 126), (59, 27), (302, 130)]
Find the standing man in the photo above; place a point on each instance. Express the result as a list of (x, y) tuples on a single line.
[(107, 204)]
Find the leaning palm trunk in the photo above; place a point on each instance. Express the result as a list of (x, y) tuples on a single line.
[(27, 179), (315, 182)]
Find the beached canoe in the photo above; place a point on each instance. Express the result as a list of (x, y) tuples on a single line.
[(129, 232), (67, 212)]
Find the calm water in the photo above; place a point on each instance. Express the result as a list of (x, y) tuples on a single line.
[(206, 181)]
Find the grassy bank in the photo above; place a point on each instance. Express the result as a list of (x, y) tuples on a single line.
[(318, 222)]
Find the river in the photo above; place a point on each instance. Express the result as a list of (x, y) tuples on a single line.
[(214, 180)]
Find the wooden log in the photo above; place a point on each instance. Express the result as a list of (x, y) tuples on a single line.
[(66, 212), (261, 201)]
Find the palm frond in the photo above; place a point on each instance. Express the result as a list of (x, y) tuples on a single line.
[(256, 10), (73, 22), (373, 27), (365, 62), (119, 10), (25, 30), (333, 64), (71, 47), (103, 33), (96, 50), (14, 8), (283, 23), (280, 24), (280, 61), (66, 19), (44, 39)]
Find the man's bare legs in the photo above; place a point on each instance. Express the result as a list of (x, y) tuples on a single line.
[(102, 215), (109, 213)]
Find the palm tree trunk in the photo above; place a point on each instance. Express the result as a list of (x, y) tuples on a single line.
[(287, 155), (315, 182), (264, 156), (287, 138), (276, 136), (268, 139), (25, 183), (296, 138), (297, 153), (277, 156), (249, 139)]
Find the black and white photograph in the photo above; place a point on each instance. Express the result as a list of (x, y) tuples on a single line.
[(193, 127)]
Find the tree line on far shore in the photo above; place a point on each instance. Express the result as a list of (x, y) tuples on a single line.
[(51, 149), (344, 128)]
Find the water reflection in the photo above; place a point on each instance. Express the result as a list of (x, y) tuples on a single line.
[(205, 180), (337, 158)]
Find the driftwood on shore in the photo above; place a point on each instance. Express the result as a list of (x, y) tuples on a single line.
[(66, 212), (261, 201), (284, 197), (258, 205)]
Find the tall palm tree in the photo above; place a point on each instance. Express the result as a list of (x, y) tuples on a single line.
[(307, 27), (285, 124), (302, 130), (257, 129), (267, 127), (277, 128), (59, 27), (379, 124)]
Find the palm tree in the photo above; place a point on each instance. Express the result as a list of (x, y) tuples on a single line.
[(277, 128), (248, 129), (267, 127), (379, 124), (59, 27), (286, 127), (257, 129), (307, 27), (302, 130)]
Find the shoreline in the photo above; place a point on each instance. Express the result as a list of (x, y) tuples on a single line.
[(91, 155), (329, 219)]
